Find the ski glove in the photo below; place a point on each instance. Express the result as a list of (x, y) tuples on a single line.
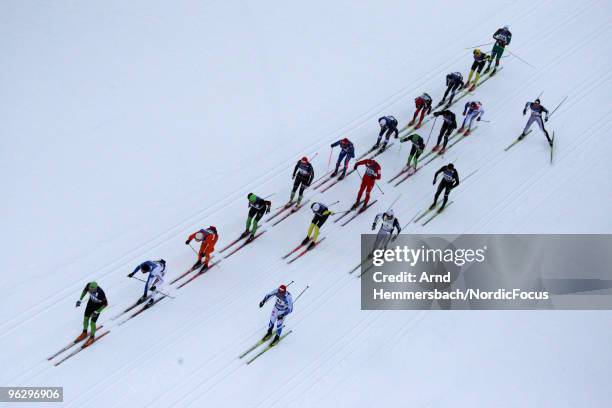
[(478, 119), (261, 304), (434, 182), (153, 288), (373, 226), (524, 112), (187, 242), (78, 303), (546, 119), (130, 275)]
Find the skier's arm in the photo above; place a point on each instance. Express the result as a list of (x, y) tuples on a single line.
[(268, 296), (336, 143), (438, 172), (378, 216), (456, 177), (480, 113), (297, 165), (525, 108), (397, 226), (84, 292), (136, 270), (289, 300), (191, 237), (104, 300), (268, 205), (465, 107), (545, 113), (310, 176)]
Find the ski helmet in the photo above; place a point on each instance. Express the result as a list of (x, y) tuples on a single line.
[(92, 286), (344, 142), (389, 213), (477, 51), (145, 267), (426, 95), (213, 229), (304, 159), (282, 289), (450, 166), (537, 101), (199, 236), (473, 105), (382, 121), (506, 28), (316, 207), (252, 197)]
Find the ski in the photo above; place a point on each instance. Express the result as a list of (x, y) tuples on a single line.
[(128, 309), (231, 244), (351, 218), (187, 272), (79, 349), (366, 259), (293, 211), (552, 143), (402, 171), (363, 272), (438, 212), (307, 249), (347, 212), (365, 154), (516, 141), (294, 250), (321, 180), (69, 346), (406, 176), (146, 306), (200, 272), (279, 211), (253, 347), (245, 243), (268, 347)]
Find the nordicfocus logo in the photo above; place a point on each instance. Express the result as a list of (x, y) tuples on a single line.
[(412, 256)]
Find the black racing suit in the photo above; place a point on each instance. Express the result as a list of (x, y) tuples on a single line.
[(388, 129), (450, 124), (454, 81), (450, 180), (303, 173)]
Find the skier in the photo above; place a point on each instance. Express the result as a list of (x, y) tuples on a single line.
[(347, 153), (96, 303), (454, 81), (155, 280), (257, 208), (423, 105), (208, 238), (536, 116), (480, 59), (502, 38), (283, 306), (370, 176), (303, 173), (450, 124), (388, 126), (321, 213), (450, 180), (418, 146), (388, 225), (471, 110)]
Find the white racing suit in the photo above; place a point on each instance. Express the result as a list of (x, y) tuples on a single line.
[(386, 230), (155, 279), (282, 307), (471, 115)]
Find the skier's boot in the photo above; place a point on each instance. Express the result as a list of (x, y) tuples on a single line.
[(275, 340), (312, 245), (418, 125), (245, 233), (250, 238), (441, 208), (411, 122), (355, 206), (305, 241), (431, 207), (383, 147), (376, 146), (435, 148), (460, 129), (442, 150), (343, 174), (521, 136), (81, 336), (334, 173), (467, 132), (268, 335), (90, 340), (196, 265), (550, 143), (142, 299), (363, 208)]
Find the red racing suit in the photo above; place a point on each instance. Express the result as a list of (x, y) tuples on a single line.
[(372, 173), (207, 246)]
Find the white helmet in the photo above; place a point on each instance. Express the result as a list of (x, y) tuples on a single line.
[(382, 121), (316, 207), (199, 236), (506, 28), (389, 213)]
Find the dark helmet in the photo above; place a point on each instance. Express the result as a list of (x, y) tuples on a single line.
[(344, 142), (162, 261), (304, 159), (450, 166), (537, 101), (213, 229), (144, 268)]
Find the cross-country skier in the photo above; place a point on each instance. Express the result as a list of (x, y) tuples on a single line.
[(450, 124), (471, 110), (257, 208), (502, 38), (96, 303), (388, 225), (418, 146), (480, 59), (321, 213), (303, 173), (372, 173), (536, 116), (207, 237), (450, 180), (347, 152), (155, 280), (423, 105), (282, 307), (454, 81), (388, 127)]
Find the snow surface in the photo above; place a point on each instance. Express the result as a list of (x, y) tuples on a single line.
[(126, 126)]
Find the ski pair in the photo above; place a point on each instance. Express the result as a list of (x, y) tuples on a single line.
[(434, 215), (265, 349), (199, 273), (309, 247), (244, 243), (78, 349)]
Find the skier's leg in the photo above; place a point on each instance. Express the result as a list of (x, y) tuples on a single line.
[(422, 116), (272, 319), (256, 220), (361, 188), (416, 112), (296, 184), (369, 186), (379, 241), (438, 191), (474, 66), (447, 189), (340, 157), (478, 71), (311, 227), (528, 125), (279, 326), (448, 88), (301, 195), (541, 125)]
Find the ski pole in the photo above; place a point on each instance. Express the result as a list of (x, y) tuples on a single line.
[(520, 59), (165, 294), (479, 45), (269, 195), (314, 157), (394, 201), (330, 156), (194, 251), (380, 189), (558, 106), (334, 203), (301, 293), (431, 130)]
